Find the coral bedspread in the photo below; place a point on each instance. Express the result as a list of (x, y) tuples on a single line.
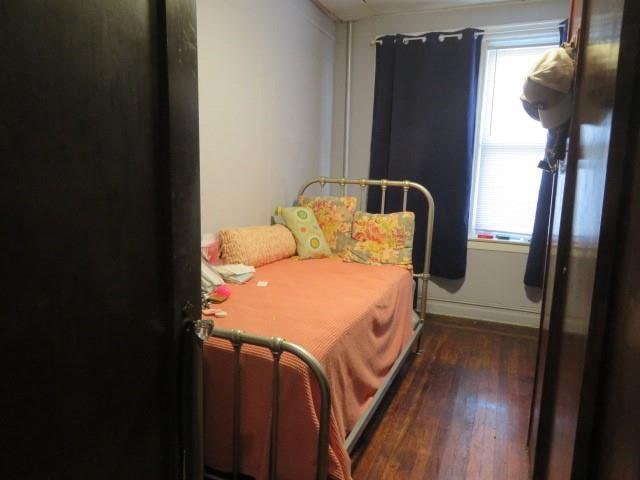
[(355, 319)]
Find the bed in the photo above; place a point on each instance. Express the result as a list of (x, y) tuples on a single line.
[(294, 408)]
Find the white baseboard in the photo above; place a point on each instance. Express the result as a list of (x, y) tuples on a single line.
[(511, 316)]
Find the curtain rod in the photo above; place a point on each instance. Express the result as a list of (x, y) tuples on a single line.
[(443, 36), (423, 38)]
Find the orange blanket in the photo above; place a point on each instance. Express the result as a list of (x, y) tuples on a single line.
[(355, 319)]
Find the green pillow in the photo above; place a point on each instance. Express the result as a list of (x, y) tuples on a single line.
[(310, 241)]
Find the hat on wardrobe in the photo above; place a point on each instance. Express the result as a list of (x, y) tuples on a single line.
[(546, 94)]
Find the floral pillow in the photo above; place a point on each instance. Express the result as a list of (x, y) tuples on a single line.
[(334, 215), (381, 238), (310, 241)]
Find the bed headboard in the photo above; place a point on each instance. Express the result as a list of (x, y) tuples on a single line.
[(384, 185)]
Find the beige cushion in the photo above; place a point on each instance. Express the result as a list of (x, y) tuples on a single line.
[(256, 245)]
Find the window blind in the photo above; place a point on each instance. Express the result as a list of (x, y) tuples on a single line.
[(508, 148), (507, 188)]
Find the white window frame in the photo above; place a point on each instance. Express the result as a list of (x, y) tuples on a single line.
[(506, 36)]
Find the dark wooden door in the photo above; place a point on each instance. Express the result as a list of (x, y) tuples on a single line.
[(585, 272), (99, 207), (615, 445)]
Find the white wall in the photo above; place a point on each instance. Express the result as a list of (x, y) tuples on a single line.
[(265, 78), (493, 288)]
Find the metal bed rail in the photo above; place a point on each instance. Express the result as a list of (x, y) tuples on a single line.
[(205, 329), (358, 429)]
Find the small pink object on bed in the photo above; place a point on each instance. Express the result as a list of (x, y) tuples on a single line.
[(223, 290), (219, 294)]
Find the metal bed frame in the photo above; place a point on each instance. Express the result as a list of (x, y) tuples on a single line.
[(205, 329)]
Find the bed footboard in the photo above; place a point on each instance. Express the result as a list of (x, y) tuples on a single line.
[(277, 346)]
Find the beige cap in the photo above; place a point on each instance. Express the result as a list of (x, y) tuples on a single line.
[(547, 87)]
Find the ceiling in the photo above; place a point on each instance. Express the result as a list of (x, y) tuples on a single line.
[(359, 9)]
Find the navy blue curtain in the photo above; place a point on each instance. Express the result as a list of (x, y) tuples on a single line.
[(555, 151), (423, 130)]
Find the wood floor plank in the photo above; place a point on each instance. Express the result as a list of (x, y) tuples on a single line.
[(458, 411)]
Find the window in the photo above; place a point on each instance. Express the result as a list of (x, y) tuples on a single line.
[(509, 143)]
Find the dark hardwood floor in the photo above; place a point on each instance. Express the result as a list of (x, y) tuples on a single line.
[(459, 411)]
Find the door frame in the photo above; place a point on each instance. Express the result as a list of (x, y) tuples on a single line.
[(180, 137)]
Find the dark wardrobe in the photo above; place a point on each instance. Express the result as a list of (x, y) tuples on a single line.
[(586, 406)]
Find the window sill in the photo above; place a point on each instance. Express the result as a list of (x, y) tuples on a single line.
[(497, 245)]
